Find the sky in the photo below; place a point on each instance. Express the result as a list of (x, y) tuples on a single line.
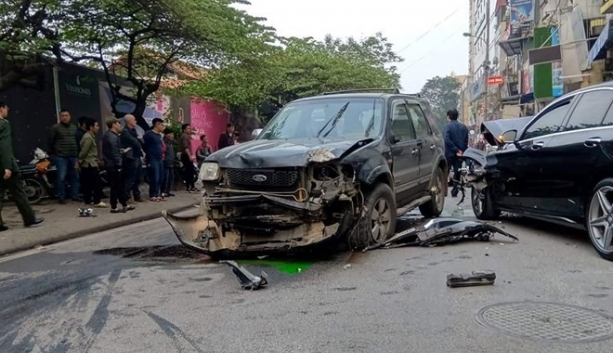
[(426, 33)]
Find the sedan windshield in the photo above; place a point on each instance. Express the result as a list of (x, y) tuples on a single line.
[(348, 118)]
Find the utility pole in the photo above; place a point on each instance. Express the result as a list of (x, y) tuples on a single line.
[(486, 64)]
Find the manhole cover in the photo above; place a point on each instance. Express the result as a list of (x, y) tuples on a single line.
[(547, 321)]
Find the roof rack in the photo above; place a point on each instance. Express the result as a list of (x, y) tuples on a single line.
[(365, 90), (418, 95)]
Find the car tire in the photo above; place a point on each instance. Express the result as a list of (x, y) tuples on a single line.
[(599, 218), (434, 207), (483, 204), (379, 223)]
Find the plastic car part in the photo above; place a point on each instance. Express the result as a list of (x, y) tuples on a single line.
[(246, 278), (440, 231), (475, 278)]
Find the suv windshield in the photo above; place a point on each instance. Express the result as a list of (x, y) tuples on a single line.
[(348, 118)]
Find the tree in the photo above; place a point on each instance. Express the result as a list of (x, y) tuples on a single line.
[(298, 67), (375, 50), (442, 94), (141, 39), (29, 35)]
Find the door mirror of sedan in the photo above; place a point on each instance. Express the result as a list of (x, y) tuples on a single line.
[(255, 133), (508, 136)]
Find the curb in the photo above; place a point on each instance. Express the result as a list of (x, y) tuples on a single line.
[(93, 230)]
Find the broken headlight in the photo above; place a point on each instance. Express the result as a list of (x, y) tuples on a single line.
[(209, 172)]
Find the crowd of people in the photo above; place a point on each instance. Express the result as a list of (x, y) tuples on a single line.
[(80, 156)]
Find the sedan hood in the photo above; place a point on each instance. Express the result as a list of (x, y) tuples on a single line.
[(494, 128), (283, 153)]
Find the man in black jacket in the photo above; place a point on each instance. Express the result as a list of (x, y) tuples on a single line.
[(226, 139), (456, 142), (132, 163), (10, 179), (112, 157)]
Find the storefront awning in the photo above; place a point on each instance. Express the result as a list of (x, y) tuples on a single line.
[(598, 50), (512, 46)]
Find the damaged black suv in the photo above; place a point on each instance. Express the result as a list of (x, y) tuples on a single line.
[(338, 165)]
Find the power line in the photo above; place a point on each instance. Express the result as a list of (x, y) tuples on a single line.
[(428, 52), (428, 31)]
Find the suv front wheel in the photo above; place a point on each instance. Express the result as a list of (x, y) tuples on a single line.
[(379, 223)]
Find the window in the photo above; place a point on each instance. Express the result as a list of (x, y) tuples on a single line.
[(608, 118), (401, 125), (327, 118), (590, 110), (422, 129), (548, 123)]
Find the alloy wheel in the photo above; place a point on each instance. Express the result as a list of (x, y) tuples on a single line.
[(437, 193), (381, 217), (600, 219)]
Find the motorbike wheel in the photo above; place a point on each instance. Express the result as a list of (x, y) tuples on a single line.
[(34, 191)]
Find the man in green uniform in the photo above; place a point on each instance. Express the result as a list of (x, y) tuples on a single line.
[(11, 179)]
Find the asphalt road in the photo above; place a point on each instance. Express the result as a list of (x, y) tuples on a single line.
[(86, 295)]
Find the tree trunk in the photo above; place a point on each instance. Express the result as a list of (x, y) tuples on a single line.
[(139, 110)]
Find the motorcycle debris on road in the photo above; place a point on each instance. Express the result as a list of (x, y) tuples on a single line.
[(442, 231)]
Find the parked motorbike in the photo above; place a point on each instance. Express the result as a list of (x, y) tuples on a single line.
[(35, 187)]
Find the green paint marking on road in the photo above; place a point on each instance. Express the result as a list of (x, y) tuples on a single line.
[(283, 266)]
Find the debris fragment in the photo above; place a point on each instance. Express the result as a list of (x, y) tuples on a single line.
[(246, 278), (347, 266), (475, 278), (86, 212), (321, 155), (441, 231)]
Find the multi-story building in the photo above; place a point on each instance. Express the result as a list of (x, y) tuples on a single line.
[(547, 48), (481, 37)]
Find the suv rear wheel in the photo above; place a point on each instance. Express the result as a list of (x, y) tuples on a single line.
[(599, 219), (434, 207)]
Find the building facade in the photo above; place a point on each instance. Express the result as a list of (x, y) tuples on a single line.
[(541, 49)]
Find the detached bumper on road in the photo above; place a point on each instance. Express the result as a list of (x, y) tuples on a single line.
[(258, 224)]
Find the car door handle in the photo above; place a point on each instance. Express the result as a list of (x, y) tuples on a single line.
[(537, 145), (592, 142), (432, 147), (415, 151)]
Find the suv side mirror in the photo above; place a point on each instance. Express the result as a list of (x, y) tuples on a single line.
[(394, 139), (255, 133), (508, 136)]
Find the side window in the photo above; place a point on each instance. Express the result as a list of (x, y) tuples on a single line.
[(590, 110), (608, 119), (548, 123), (420, 123), (401, 125)]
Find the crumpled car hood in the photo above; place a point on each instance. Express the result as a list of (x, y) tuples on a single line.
[(283, 153), (493, 128)]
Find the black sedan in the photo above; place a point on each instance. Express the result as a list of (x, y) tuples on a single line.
[(558, 167)]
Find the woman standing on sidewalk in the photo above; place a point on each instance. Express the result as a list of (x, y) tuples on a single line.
[(88, 161)]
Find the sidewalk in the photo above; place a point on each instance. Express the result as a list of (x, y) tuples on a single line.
[(62, 222)]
